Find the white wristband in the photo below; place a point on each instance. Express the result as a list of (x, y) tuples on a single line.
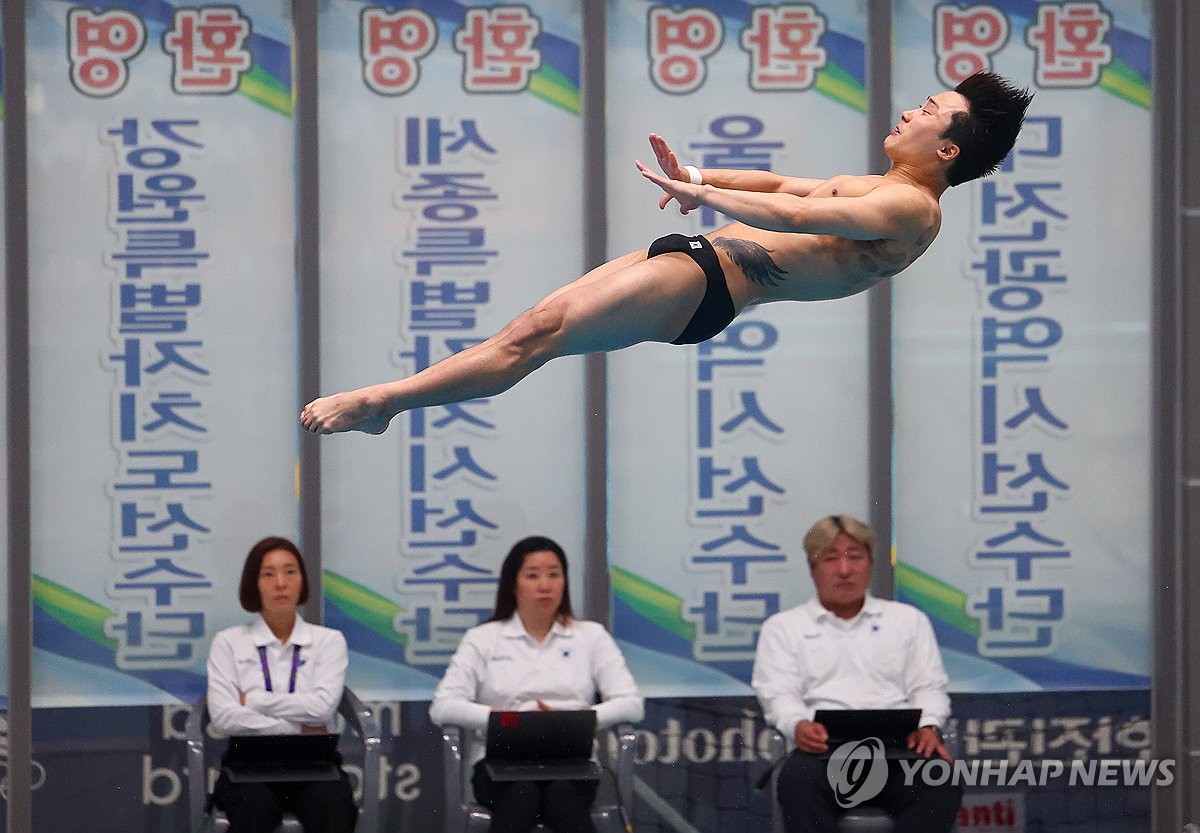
[(694, 174)]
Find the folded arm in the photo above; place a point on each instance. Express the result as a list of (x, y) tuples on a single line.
[(225, 705), (318, 702)]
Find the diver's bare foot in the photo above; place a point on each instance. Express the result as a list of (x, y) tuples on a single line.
[(356, 410)]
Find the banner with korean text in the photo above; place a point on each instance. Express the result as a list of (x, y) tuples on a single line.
[(1022, 356), (162, 312), (451, 160), (722, 454)]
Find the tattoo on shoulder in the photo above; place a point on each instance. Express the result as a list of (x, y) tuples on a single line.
[(753, 259)]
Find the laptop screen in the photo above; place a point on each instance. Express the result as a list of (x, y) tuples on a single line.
[(281, 752), (889, 725), (540, 736)]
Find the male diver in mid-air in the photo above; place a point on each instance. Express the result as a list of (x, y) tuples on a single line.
[(792, 239)]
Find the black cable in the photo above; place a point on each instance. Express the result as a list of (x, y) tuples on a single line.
[(765, 778)]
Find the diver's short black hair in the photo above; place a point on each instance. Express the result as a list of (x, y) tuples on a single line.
[(987, 133)]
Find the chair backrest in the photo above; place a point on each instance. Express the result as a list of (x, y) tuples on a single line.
[(363, 724), (618, 746)]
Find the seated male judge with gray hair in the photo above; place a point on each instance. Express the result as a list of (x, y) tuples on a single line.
[(845, 649)]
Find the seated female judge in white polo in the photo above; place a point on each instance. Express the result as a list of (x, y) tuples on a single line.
[(534, 654), (278, 675)]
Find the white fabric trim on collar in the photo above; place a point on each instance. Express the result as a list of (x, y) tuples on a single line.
[(514, 628), (871, 607), (260, 632)]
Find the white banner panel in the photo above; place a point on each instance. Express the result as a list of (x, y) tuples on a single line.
[(1022, 356), (722, 454), (451, 153), (162, 314)]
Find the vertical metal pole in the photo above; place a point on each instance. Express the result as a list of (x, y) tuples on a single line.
[(308, 268), (879, 307), (16, 265), (596, 603), (1185, 223), (1175, 490)]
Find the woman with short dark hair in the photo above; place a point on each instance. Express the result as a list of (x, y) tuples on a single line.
[(278, 675)]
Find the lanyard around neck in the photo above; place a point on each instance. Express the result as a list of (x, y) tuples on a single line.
[(262, 655)]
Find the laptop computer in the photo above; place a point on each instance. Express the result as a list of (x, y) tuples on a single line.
[(304, 757), (892, 726), (541, 746)]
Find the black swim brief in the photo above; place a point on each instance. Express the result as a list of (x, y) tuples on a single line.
[(716, 307)]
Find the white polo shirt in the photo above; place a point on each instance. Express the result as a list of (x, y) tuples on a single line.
[(500, 666), (886, 657), (234, 666)]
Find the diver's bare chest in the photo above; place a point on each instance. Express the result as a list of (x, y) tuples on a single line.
[(847, 186)]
